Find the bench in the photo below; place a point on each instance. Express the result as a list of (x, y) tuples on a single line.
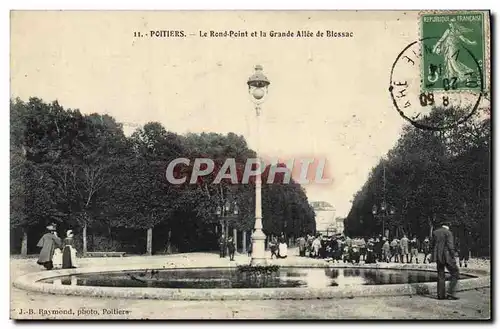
[(105, 254)]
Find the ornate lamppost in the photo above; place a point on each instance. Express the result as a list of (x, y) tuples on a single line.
[(225, 214), (258, 89), (384, 213)]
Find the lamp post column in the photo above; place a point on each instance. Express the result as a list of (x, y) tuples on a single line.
[(257, 87), (258, 236), (383, 225)]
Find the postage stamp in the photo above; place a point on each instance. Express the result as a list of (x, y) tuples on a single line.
[(453, 52), (445, 70)]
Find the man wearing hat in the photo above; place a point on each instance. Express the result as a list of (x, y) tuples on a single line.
[(49, 242), (443, 253)]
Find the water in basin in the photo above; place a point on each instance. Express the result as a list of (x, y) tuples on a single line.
[(207, 278)]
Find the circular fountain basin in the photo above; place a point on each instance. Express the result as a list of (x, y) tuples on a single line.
[(232, 278), (228, 283)]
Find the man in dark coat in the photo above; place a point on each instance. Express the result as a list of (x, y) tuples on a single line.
[(231, 248), (222, 246), (378, 248), (464, 248), (443, 253), (48, 242), (302, 246)]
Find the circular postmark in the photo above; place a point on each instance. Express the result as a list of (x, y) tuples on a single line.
[(435, 91)]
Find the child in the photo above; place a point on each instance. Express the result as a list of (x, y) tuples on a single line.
[(386, 251), (231, 248), (414, 249), (355, 255), (426, 248), (370, 253), (273, 246), (346, 254)]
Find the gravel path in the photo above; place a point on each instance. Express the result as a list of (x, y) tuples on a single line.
[(474, 304)]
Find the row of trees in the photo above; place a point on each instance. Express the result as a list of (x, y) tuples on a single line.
[(431, 176), (83, 172)]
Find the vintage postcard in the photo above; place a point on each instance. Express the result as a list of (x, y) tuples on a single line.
[(250, 165)]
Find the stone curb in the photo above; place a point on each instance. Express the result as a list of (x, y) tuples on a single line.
[(30, 282)]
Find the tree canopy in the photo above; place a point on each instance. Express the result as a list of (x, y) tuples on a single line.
[(81, 171), (431, 177)]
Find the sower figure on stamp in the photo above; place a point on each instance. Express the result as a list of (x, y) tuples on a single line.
[(443, 253)]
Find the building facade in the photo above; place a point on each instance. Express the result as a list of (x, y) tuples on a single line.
[(325, 217)]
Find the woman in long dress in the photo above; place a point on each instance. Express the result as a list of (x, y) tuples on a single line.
[(69, 252), (316, 245), (49, 242), (282, 248)]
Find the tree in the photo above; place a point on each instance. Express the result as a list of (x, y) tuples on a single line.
[(82, 172), (431, 176)]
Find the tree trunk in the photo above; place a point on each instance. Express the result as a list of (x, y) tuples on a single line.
[(235, 238), (244, 242), (24, 243), (149, 246), (431, 228), (84, 237), (168, 250)]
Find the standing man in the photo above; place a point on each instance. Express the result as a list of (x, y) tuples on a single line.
[(426, 249), (362, 247), (231, 248), (464, 248), (48, 242), (386, 250), (249, 244), (443, 253), (395, 252), (405, 248), (302, 246), (378, 248), (414, 249), (222, 246), (310, 239)]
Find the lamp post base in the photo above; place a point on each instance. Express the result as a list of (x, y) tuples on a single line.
[(258, 249), (259, 262)]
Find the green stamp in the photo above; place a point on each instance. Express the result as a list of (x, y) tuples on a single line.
[(453, 50)]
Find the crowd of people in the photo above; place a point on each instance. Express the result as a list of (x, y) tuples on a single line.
[(344, 249), (340, 248), (59, 253)]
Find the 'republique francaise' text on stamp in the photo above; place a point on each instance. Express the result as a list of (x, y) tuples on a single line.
[(453, 51)]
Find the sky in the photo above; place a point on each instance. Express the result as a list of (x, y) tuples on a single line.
[(328, 97)]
